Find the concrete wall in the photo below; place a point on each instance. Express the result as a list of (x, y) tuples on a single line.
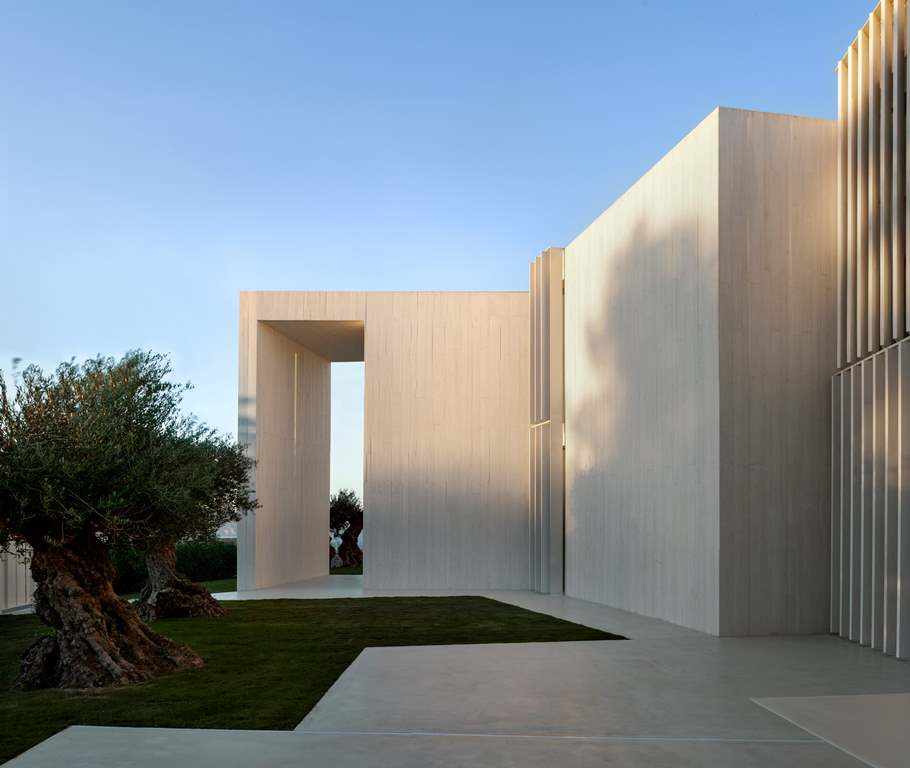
[(16, 584), (777, 328), (289, 540), (641, 357), (699, 319), (870, 435), (446, 419)]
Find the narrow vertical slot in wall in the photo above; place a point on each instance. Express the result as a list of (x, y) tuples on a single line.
[(347, 538)]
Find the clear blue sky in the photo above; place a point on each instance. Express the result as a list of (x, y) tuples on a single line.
[(156, 158)]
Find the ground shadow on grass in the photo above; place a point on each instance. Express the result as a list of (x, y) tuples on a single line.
[(267, 663)]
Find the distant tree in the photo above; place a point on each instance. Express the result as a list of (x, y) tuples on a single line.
[(346, 521), (86, 461), (209, 487)]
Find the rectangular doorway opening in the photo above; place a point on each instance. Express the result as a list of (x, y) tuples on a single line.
[(306, 407)]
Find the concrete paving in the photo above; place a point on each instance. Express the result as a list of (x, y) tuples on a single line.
[(668, 696), (656, 691), (83, 747), (873, 727)]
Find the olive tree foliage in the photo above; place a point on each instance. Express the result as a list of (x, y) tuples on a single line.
[(86, 452), (91, 455), (211, 478)]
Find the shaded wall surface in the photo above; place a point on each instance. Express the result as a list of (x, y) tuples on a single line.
[(641, 357), (445, 435), (870, 510), (291, 442), (698, 333), (777, 324), (16, 584)]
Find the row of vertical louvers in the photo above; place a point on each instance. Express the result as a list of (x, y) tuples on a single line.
[(870, 391), (872, 309)]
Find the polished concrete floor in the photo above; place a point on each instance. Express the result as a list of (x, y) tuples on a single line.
[(649, 689), (668, 696), (883, 735), (82, 747)]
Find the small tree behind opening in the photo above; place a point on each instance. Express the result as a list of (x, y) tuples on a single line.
[(346, 521)]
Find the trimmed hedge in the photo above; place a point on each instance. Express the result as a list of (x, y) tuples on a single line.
[(202, 560), (207, 559)]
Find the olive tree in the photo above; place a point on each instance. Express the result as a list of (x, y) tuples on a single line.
[(89, 456), (210, 489)]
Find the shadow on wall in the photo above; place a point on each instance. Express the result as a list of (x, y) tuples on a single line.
[(246, 420), (642, 464)]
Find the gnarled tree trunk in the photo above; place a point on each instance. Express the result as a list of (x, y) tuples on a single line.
[(349, 551), (99, 639), (168, 595)]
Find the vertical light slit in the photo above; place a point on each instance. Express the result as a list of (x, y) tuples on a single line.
[(851, 205), (898, 170), (905, 168), (886, 128), (841, 214), (836, 429), (872, 230), (846, 497), (862, 192), (296, 395), (892, 460), (902, 619), (865, 531), (878, 501), (856, 503), (532, 433)]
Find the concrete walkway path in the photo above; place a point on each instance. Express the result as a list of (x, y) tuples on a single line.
[(84, 747), (668, 696)]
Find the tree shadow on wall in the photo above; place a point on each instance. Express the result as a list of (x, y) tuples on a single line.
[(641, 413)]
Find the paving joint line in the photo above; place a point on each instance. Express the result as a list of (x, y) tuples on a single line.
[(575, 737), (863, 760)]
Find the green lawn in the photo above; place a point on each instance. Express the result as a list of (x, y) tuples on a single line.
[(267, 663), (347, 570), (221, 585)]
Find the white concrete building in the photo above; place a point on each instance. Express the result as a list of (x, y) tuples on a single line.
[(647, 427)]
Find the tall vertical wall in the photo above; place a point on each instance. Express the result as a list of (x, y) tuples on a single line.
[(698, 334), (870, 391), (445, 438), (776, 324), (641, 359), (285, 422)]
